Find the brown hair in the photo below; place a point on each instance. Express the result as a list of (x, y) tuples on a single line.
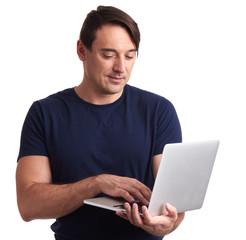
[(107, 15)]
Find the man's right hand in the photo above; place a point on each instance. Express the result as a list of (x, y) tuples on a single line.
[(127, 188)]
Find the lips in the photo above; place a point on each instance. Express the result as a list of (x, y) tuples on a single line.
[(116, 79)]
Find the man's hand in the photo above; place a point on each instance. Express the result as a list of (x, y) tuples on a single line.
[(158, 225), (127, 188)]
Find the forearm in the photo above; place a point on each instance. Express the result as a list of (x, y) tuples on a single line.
[(44, 201), (38, 199)]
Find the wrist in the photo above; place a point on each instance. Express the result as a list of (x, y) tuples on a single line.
[(98, 183), (88, 188), (95, 184)]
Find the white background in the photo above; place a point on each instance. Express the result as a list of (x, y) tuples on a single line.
[(192, 52)]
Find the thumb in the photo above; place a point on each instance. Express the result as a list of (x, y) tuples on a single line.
[(171, 211)]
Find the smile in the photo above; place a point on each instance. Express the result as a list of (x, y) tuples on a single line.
[(116, 78)]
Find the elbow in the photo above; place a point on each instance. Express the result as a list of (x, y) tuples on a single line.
[(25, 214), (26, 206), (26, 218), (25, 211)]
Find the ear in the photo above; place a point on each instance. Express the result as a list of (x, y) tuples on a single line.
[(81, 50)]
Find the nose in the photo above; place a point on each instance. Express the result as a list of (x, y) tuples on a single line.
[(119, 65)]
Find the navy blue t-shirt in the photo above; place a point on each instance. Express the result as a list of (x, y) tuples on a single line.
[(82, 140)]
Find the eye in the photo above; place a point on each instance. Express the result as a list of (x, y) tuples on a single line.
[(107, 56), (128, 57)]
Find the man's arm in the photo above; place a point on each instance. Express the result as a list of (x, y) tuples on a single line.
[(39, 199), (159, 225)]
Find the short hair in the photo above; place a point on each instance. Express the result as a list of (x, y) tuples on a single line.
[(107, 15)]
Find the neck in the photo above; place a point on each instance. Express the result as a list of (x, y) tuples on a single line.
[(96, 97)]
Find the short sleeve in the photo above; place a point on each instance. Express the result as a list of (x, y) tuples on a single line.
[(168, 126), (33, 134)]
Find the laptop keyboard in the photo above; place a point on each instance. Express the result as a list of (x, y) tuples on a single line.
[(121, 206)]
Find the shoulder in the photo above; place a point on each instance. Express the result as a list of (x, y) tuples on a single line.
[(52, 105), (147, 98), (55, 100), (58, 97)]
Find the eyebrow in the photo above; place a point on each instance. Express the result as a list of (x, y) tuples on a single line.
[(114, 50)]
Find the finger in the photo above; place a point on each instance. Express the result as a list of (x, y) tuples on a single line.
[(145, 191), (126, 195), (122, 214), (141, 193), (181, 216), (171, 212), (136, 215), (133, 187), (179, 219), (129, 213), (139, 196), (146, 215)]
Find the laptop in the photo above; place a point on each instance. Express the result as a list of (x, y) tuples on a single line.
[(182, 179)]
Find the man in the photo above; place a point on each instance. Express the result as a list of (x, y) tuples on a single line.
[(101, 137)]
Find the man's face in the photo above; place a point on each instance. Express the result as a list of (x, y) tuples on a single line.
[(108, 66)]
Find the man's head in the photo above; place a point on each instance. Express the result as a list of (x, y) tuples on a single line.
[(108, 46), (107, 15)]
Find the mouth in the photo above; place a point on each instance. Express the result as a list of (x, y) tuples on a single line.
[(116, 79)]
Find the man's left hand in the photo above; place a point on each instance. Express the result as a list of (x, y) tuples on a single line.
[(158, 225)]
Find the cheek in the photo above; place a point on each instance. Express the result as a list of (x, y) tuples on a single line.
[(130, 67), (95, 68), (105, 67)]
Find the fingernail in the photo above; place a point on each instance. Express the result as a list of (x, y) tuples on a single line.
[(127, 206), (168, 205)]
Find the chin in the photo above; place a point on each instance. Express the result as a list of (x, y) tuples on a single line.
[(115, 88)]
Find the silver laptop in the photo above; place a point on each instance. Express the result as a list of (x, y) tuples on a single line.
[(182, 179)]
